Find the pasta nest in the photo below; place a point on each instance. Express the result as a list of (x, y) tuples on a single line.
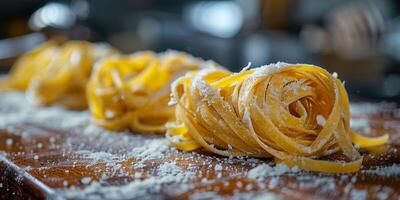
[(132, 92), (295, 113), (54, 73)]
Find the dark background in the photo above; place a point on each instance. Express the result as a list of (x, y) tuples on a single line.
[(359, 40)]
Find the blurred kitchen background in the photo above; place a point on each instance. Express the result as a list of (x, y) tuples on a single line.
[(358, 39)]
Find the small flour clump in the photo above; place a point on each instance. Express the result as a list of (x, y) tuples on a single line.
[(86, 180), (358, 194), (169, 169), (321, 120), (9, 141), (205, 90), (264, 170), (218, 167)]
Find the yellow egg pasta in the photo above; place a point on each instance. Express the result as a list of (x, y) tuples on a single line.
[(132, 92), (28, 65), (55, 73), (295, 113)]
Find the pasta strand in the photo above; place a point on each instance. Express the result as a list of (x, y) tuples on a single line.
[(294, 113), (54, 73), (132, 92)]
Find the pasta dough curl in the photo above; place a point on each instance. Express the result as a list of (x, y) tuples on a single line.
[(132, 92), (57, 74), (294, 113), (29, 64)]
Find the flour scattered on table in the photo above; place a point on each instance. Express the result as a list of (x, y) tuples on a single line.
[(9, 142), (264, 170), (149, 166), (166, 174), (218, 167), (387, 171), (86, 180)]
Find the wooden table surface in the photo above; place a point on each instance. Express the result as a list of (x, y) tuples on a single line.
[(56, 154)]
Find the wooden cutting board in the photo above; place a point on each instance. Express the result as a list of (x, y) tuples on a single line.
[(56, 154)]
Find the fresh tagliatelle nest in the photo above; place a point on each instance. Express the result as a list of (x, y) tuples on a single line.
[(54, 73), (295, 113), (132, 92)]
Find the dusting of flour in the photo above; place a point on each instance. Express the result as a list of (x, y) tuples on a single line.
[(152, 173)]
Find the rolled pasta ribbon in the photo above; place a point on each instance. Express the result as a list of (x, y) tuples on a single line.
[(132, 92), (57, 74), (295, 113), (29, 64)]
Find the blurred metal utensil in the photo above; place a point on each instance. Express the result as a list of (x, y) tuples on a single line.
[(11, 48)]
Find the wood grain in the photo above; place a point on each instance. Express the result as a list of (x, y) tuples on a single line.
[(45, 163)]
